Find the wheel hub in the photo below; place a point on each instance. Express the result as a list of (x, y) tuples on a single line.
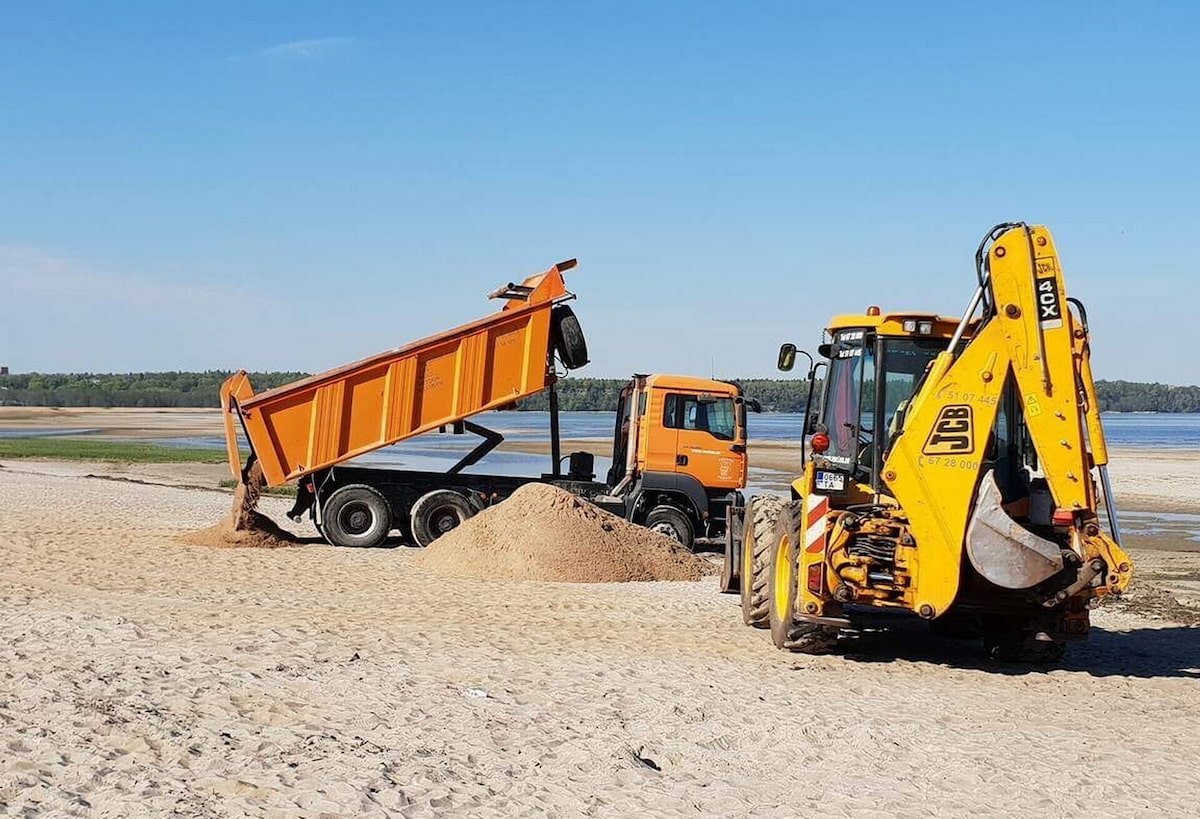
[(444, 520), (667, 529), (357, 518)]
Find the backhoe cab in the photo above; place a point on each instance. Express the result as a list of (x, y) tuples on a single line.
[(955, 473)]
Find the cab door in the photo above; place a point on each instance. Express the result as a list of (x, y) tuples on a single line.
[(710, 445), (658, 443)]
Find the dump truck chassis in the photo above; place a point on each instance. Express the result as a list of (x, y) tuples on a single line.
[(404, 489)]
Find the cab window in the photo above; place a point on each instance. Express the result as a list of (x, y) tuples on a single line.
[(714, 416)]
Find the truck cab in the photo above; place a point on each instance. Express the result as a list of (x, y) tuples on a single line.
[(679, 453)]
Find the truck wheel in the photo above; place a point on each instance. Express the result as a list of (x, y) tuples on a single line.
[(787, 632), (568, 337), (436, 513), (356, 515), (757, 532), (669, 521)]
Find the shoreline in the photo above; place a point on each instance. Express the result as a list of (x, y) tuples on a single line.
[(1145, 479), (208, 477)]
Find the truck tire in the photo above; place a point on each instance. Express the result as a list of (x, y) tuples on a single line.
[(356, 515), (757, 532), (672, 522), (788, 632), (436, 513), (568, 337)]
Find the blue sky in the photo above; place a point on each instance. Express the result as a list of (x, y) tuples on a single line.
[(293, 185)]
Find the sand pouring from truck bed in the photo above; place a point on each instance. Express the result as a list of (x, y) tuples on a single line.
[(542, 532), (244, 527)]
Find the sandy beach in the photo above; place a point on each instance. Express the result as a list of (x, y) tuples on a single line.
[(144, 676)]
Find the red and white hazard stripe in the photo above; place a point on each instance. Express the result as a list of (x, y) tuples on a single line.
[(814, 535)]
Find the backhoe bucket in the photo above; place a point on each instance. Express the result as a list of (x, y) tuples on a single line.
[(1003, 551)]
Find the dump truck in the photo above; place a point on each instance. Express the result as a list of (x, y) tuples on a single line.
[(956, 474), (679, 443)]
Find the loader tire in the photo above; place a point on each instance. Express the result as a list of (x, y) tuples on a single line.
[(757, 534), (436, 513), (569, 342), (787, 632), (356, 515), (1007, 641)]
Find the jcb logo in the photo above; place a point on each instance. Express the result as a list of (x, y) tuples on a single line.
[(953, 433)]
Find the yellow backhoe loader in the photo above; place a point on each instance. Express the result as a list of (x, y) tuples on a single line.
[(956, 473)]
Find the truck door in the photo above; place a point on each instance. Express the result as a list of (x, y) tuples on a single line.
[(658, 443), (708, 439)]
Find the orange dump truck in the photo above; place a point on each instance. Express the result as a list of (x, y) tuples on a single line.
[(679, 451)]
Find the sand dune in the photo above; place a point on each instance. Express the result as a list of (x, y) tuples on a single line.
[(141, 676)]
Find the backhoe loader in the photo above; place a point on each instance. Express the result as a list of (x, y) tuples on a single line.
[(956, 472)]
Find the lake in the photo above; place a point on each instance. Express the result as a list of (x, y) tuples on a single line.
[(436, 452), (1170, 431)]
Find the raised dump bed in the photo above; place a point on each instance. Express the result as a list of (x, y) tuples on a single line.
[(440, 381)]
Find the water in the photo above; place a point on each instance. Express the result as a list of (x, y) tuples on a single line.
[(42, 433), (1177, 526), (1167, 431), (436, 452)]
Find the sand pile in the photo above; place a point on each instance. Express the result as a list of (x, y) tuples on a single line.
[(245, 526), (545, 533)]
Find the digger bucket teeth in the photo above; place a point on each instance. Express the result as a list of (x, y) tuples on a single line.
[(1004, 552)]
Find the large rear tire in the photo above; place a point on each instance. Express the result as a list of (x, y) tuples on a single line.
[(1013, 640), (436, 513), (568, 337), (757, 530), (356, 515), (788, 632)]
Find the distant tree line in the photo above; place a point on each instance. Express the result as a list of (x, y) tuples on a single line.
[(1135, 396), (180, 389), (584, 394), (172, 389)]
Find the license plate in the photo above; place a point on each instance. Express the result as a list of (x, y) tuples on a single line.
[(831, 481)]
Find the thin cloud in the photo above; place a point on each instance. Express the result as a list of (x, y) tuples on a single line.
[(61, 314), (310, 49), (39, 274)]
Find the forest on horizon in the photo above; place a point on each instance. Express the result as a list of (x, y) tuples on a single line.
[(188, 389)]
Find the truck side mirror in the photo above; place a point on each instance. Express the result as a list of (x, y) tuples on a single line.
[(754, 405), (787, 357)]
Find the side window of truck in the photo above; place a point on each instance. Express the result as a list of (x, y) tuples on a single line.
[(716, 417)]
